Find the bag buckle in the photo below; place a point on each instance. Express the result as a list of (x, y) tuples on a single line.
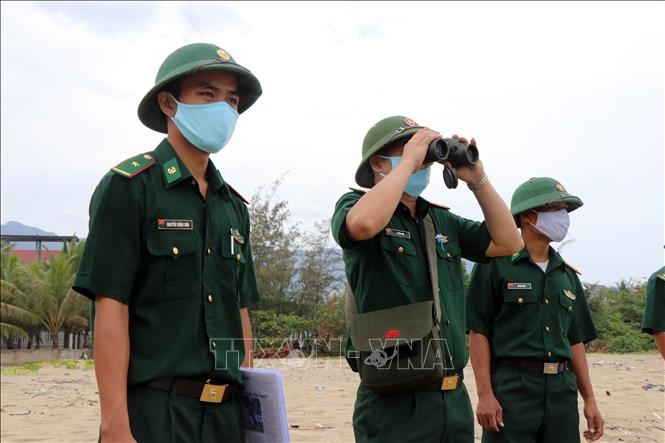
[(450, 383), (212, 393), (551, 368)]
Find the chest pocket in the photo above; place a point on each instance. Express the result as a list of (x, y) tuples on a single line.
[(175, 264), (450, 265), (567, 309), (398, 246), (227, 274), (401, 266), (519, 311), (232, 249)]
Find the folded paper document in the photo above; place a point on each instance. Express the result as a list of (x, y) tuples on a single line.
[(263, 406)]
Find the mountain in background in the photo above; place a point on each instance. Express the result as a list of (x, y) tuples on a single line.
[(17, 228)]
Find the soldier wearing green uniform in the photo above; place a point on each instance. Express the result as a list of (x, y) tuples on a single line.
[(653, 321), (169, 266), (383, 241), (528, 321)]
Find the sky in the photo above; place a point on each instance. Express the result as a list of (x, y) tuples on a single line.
[(570, 90)]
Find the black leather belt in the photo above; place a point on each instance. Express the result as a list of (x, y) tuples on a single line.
[(204, 390), (550, 368)]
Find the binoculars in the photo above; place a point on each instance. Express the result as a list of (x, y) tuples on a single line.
[(453, 151)]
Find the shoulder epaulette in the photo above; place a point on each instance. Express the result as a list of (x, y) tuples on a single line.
[(132, 167), (574, 269), (237, 193), (661, 276), (439, 205)]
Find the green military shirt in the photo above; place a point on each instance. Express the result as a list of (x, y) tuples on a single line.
[(525, 312), (181, 262), (654, 309), (391, 269)]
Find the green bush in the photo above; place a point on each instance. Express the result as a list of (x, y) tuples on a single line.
[(617, 314), (268, 325)]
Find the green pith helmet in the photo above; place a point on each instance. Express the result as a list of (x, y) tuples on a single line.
[(539, 191), (187, 60), (380, 135)]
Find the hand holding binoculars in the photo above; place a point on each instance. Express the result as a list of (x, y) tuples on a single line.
[(453, 151)]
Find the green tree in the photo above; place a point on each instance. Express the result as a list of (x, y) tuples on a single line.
[(319, 271), (44, 290), (617, 314), (330, 318), (15, 319), (274, 243)]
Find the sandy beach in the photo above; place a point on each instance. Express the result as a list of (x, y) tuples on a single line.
[(57, 404)]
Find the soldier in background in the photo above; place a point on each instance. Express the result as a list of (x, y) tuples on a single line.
[(528, 321), (653, 321)]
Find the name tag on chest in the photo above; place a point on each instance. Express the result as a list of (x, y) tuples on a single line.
[(390, 232), (518, 285), (171, 224)]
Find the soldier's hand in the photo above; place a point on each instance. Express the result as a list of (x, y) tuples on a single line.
[(471, 173), (489, 413), (595, 422), (416, 148)]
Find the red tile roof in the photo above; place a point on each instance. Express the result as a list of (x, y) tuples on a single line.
[(31, 255)]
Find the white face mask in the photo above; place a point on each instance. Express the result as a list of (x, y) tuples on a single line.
[(554, 225)]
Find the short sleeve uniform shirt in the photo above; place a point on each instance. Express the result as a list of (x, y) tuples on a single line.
[(527, 313), (181, 262), (391, 269), (654, 310)]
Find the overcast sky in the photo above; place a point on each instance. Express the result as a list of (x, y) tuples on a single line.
[(570, 90)]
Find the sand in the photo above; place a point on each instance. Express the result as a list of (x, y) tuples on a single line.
[(61, 405)]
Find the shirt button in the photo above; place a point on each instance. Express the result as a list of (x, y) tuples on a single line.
[(448, 254), (448, 322), (570, 308), (237, 257), (210, 298), (549, 354), (209, 251), (547, 328), (175, 251), (520, 300), (400, 249), (193, 182), (547, 302), (214, 345)]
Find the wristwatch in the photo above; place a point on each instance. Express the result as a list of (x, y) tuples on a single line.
[(479, 184)]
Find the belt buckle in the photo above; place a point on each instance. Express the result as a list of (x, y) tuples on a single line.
[(212, 393), (449, 383), (551, 368)]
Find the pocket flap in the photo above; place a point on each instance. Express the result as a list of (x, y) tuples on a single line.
[(386, 328), (566, 301), (448, 251), (173, 244), (398, 246), (519, 297)]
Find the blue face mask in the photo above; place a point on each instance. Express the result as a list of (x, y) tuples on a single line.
[(207, 126), (418, 180)]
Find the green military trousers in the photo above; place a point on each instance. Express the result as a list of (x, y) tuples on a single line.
[(537, 408), (416, 416), (160, 416)]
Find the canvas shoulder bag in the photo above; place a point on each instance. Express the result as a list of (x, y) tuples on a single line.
[(399, 348)]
